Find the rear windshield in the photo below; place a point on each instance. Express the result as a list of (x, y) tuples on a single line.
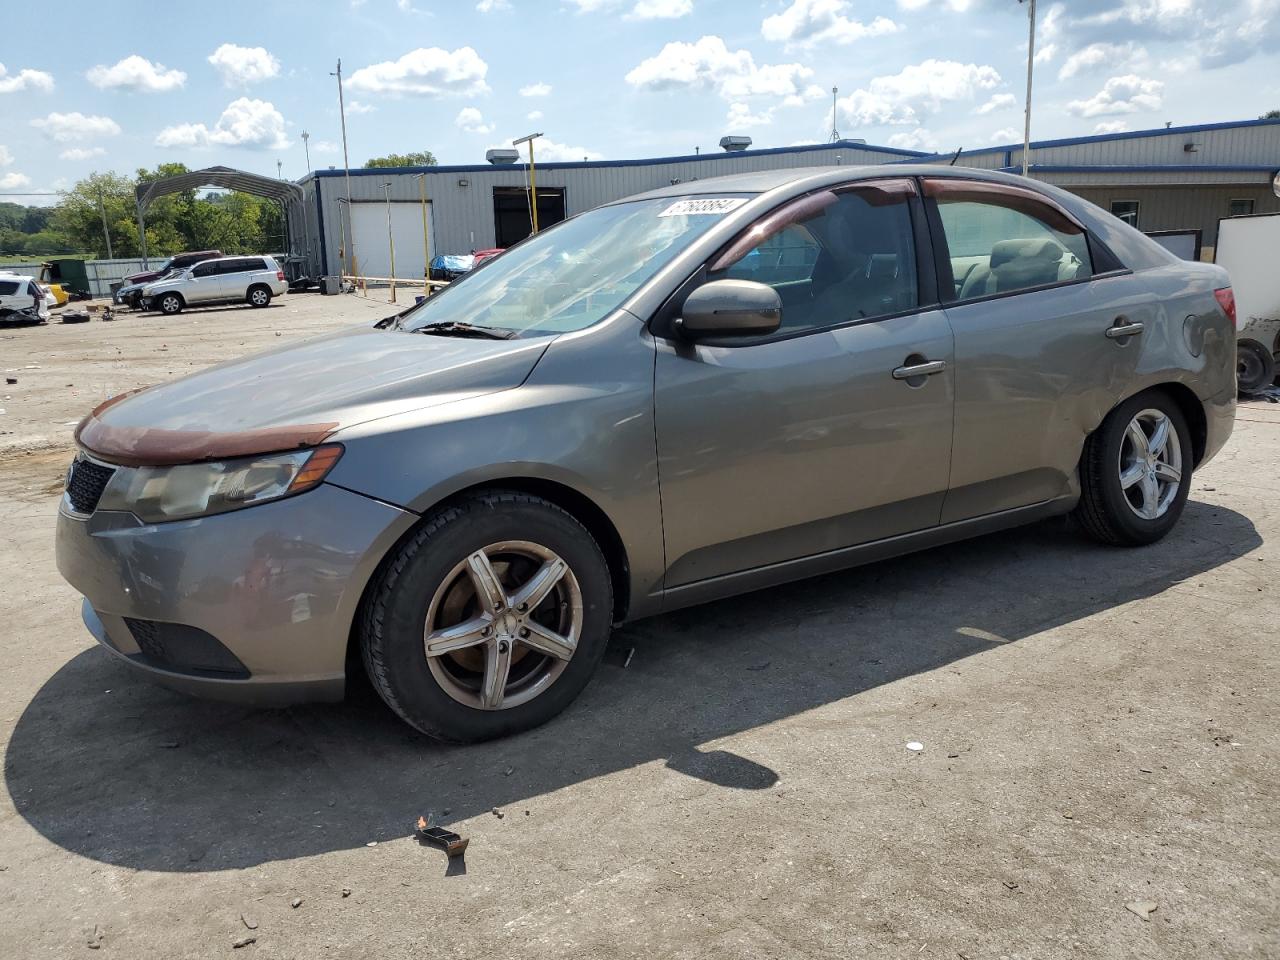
[(577, 272)]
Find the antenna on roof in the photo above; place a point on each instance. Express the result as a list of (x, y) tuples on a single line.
[(835, 134), (956, 157)]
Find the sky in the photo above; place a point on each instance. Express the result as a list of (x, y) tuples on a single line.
[(238, 84)]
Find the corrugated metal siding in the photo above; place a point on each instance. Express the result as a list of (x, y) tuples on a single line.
[(1182, 208)]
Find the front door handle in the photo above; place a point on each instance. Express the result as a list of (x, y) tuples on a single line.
[(1123, 329), (919, 370)]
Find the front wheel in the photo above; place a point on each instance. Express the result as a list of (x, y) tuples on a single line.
[(1135, 472), (170, 304), (490, 620)]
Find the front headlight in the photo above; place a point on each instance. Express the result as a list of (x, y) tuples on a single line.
[(157, 494)]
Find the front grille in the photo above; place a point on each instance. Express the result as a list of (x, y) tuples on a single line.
[(184, 649), (86, 483)]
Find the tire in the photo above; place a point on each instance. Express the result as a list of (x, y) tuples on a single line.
[(1121, 516), (430, 577), (1255, 366), (258, 296), (170, 304)]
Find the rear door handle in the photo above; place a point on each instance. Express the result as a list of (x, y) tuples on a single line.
[(919, 370), (1123, 330)]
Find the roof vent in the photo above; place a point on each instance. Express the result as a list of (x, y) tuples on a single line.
[(500, 155), (734, 144)]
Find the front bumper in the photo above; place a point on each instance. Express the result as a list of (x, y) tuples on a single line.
[(275, 587)]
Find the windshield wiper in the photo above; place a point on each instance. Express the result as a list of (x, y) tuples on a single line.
[(451, 328)]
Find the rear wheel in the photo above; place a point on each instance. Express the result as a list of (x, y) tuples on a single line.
[(490, 620), (1136, 471), (1255, 366), (170, 303), (259, 296)]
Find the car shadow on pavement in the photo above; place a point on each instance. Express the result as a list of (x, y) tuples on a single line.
[(112, 768)]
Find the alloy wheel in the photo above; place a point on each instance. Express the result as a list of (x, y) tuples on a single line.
[(259, 298), (503, 625), (1150, 464)]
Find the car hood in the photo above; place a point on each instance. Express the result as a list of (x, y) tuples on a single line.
[(299, 395), (137, 278)]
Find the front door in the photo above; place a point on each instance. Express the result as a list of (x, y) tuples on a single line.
[(817, 437), (205, 283), (1035, 309)]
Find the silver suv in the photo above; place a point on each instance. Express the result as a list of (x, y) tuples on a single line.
[(251, 280)]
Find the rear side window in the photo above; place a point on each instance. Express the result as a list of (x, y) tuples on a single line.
[(33, 290), (997, 246), (8, 287), (849, 258)]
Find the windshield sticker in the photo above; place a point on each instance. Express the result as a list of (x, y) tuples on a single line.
[(711, 207)]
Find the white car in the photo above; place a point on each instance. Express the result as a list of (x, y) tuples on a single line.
[(252, 280), (21, 295)]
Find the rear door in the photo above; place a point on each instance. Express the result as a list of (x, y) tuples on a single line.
[(815, 438), (1035, 304), (236, 275)]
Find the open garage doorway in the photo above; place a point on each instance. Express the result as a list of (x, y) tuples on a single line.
[(511, 222)]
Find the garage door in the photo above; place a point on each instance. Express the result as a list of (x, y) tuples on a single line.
[(369, 229)]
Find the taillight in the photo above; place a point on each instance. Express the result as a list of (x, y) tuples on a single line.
[(1227, 301), (280, 276)]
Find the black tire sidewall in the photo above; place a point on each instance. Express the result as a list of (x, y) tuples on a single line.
[(412, 689), (265, 291), (1264, 358), (1134, 528), (165, 299)]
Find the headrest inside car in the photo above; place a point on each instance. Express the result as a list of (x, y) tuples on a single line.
[(1009, 250)]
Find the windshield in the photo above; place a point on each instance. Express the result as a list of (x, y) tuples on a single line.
[(576, 273)]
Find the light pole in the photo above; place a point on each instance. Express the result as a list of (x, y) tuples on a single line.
[(102, 208), (391, 240), (307, 148), (1031, 58), (533, 178), (279, 166), (426, 245), (346, 162)]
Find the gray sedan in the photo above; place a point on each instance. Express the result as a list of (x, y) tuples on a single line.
[(699, 391)]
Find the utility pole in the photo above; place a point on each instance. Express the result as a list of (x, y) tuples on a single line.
[(346, 162), (391, 240), (279, 166), (307, 147), (1031, 59), (102, 208), (426, 244), (835, 134), (533, 178)]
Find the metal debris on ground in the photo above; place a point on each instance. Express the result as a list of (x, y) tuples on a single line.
[(1143, 909), (243, 942), (296, 902), (627, 662), (249, 922), (448, 841), (497, 813), (346, 892)]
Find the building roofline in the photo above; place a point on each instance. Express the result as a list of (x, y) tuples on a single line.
[(647, 162), (1109, 137), (1144, 168)]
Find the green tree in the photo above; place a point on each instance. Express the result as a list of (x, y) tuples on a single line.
[(1270, 115), (423, 158), (79, 215)]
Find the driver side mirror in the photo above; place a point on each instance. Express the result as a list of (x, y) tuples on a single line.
[(730, 308)]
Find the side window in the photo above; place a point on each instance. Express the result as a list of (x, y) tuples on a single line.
[(8, 288), (33, 290), (234, 265), (206, 269), (1126, 210), (996, 247), (850, 258)]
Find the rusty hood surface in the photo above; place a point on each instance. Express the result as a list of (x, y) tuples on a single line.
[(298, 395)]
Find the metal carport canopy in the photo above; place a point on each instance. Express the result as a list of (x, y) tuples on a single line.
[(288, 194)]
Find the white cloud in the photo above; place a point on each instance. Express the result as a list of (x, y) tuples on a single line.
[(11, 181), (427, 72), (82, 153), (241, 66), (470, 120), (355, 107), (918, 90), (660, 9), (959, 6), (1111, 126), (325, 146), (536, 90), (709, 64), (552, 152), (807, 23), (917, 139), (6, 158), (64, 127), (534, 115), (1115, 56), (25, 80), (245, 123), (740, 117), (1006, 135), (492, 6), (1127, 94), (999, 101), (136, 74)]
